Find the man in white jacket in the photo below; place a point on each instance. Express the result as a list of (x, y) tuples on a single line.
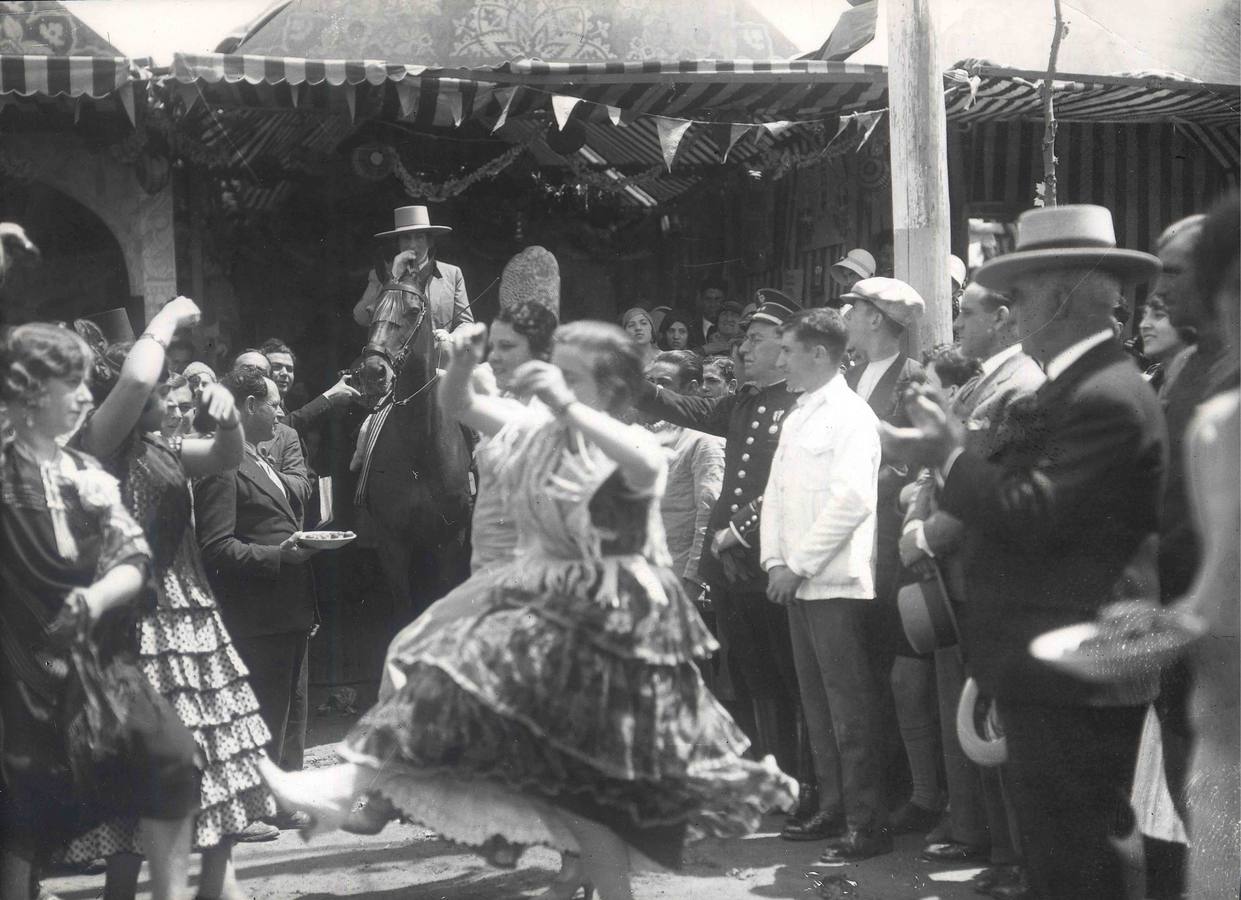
[(818, 548)]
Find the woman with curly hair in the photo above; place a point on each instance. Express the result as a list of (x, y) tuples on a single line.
[(72, 563), (564, 708), (184, 649)]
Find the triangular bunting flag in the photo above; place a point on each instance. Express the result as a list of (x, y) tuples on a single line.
[(505, 97), (453, 100), (351, 98), (775, 129), (736, 132), (614, 113), (670, 133), (867, 122), (407, 93), (563, 108), (127, 100), (188, 93)]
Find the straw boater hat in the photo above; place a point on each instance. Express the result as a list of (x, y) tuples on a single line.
[(957, 271), (857, 261), (1059, 236), (413, 218)]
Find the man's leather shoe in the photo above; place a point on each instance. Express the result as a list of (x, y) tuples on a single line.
[(807, 802), (954, 852), (820, 826), (912, 818), (857, 845)]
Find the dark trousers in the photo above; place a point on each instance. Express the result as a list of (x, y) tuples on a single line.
[(967, 811), (279, 676), (1070, 770), (754, 633), (840, 698)]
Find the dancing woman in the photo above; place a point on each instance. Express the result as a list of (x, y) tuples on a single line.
[(71, 559), (184, 649), (565, 709)]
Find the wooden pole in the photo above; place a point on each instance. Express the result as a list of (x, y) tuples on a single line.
[(921, 219), (1051, 194)]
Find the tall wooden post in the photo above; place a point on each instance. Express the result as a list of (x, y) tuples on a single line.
[(921, 220)]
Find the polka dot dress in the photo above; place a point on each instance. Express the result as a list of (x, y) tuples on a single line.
[(187, 655)]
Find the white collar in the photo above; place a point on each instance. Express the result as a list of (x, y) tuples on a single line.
[(1058, 364), (995, 360), (819, 396), (881, 365)]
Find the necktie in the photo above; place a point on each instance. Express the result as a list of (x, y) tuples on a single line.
[(271, 473)]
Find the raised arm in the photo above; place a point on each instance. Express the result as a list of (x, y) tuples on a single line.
[(226, 448), (456, 392), (636, 453), (706, 414), (119, 413)]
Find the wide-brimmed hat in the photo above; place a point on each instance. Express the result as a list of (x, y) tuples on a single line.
[(978, 728), (891, 296), (1059, 236), (857, 261), (413, 218), (927, 616), (957, 270), (774, 307)]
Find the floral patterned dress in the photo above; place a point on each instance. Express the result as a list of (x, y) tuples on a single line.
[(565, 681), (187, 655)]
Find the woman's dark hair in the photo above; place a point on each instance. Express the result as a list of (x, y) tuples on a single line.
[(694, 328), (533, 321), (1187, 333), (952, 366), (34, 354), (618, 369)]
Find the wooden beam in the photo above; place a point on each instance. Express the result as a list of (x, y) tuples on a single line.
[(918, 147)]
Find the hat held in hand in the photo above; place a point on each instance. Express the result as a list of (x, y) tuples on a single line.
[(1058, 237)]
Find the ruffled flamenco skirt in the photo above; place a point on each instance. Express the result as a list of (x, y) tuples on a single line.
[(187, 655), (547, 690)]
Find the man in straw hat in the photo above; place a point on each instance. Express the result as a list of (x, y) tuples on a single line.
[(415, 263), (754, 632), (1060, 522)]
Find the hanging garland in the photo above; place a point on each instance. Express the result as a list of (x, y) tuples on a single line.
[(421, 189), (598, 179)]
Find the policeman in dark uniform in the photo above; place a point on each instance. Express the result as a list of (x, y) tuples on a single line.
[(754, 630)]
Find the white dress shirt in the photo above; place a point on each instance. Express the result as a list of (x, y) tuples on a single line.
[(995, 360), (1057, 364), (267, 469), (818, 515), (875, 369)]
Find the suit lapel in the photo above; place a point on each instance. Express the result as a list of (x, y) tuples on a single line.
[(1096, 358), (883, 397), (250, 470)]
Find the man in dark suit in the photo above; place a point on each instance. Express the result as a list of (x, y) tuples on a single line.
[(882, 309), (246, 522), (1059, 523)]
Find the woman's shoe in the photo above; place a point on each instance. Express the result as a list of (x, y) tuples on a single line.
[(293, 793)]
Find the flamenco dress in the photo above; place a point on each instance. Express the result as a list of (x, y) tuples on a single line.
[(563, 681), (186, 654), (63, 527)]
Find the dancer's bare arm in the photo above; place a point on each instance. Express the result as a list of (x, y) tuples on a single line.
[(456, 392)]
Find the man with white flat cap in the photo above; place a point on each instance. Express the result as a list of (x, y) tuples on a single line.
[(1060, 522)]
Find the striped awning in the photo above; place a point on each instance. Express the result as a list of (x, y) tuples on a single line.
[(30, 75), (1002, 94)]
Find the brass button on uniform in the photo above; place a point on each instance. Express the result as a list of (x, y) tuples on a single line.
[(733, 508), (745, 457), (749, 440), (741, 474), (737, 492)]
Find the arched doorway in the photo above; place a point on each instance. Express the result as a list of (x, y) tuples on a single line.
[(83, 269)]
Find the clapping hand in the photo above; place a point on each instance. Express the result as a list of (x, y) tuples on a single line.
[(467, 345), (934, 435), (545, 381), (218, 403), (182, 311)]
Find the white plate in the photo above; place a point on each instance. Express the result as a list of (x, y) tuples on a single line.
[(1118, 659), (325, 540)]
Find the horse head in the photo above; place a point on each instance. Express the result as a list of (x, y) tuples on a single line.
[(399, 339)]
